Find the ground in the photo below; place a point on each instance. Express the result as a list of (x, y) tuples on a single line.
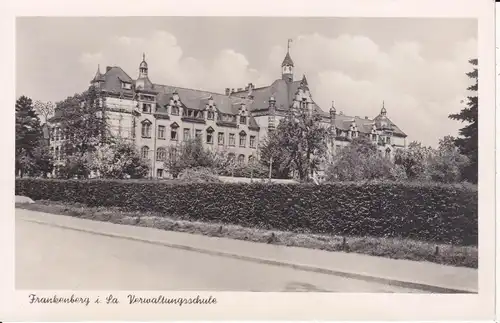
[(50, 257)]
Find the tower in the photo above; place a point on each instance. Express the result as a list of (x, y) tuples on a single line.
[(143, 67), (287, 65)]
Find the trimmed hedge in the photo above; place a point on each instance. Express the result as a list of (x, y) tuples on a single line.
[(431, 212)]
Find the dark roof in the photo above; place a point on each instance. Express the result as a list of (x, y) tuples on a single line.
[(395, 129), (287, 61)]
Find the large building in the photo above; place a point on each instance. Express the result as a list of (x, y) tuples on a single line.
[(157, 116)]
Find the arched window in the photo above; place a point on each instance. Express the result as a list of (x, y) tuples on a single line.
[(231, 156), (172, 153), (251, 159), (145, 152), (161, 154), (241, 159), (146, 130)]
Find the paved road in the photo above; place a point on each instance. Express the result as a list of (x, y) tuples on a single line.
[(49, 257)]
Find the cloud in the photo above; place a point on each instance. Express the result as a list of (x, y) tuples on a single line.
[(353, 70)]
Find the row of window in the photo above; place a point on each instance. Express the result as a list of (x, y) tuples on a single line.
[(174, 110), (146, 133), (161, 154)]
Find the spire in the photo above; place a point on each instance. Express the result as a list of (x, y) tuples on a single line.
[(304, 80), (383, 112), (98, 76), (143, 56), (287, 65)]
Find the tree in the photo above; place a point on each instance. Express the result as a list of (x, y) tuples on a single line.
[(28, 135), (118, 159), (468, 140), (298, 144), (413, 160), (361, 160), (192, 154), (45, 109), (270, 149), (83, 122), (446, 165)]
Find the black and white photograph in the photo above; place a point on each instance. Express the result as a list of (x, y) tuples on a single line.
[(256, 154)]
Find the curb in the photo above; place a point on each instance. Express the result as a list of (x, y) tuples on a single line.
[(344, 274)]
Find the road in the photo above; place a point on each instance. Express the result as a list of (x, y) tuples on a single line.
[(49, 257)]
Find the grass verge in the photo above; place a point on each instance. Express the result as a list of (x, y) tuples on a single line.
[(396, 248)]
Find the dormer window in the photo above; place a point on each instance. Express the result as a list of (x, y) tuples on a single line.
[(210, 115), (126, 85), (175, 111), (146, 107), (243, 120)]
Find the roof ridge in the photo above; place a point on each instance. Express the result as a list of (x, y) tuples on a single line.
[(191, 89)]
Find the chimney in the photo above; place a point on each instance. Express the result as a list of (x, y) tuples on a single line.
[(228, 91), (366, 118), (108, 68)]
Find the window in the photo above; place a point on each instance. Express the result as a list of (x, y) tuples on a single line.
[(197, 133), (252, 141), (186, 135), (159, 173), (243, 120), (173, 134), (220, 138), (387, 153), (251, 159), (146, 107), (145, 152), (175, 111), (172, 154), (161, 154), (210, 115), (241, 159), (161, 132), (231, 156), (231, 139), (126, 85), (146, 130), (58, 156), (243, 139)]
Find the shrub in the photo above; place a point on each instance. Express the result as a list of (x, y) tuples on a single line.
[(431, 212), (199, 175)]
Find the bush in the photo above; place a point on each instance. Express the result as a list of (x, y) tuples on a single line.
[(431, 212), (199, 175)]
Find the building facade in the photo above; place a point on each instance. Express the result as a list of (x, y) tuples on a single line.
[(158, 117)]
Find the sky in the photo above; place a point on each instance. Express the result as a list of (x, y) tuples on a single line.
[(416, 66)]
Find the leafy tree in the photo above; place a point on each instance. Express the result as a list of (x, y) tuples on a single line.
[(413, 160), (76, 166), (28, 137), (83, 122), (44, 109), (118, 159), (361, 160), (298, 144), (447, 163), (468, 142), (270, 148), (192, 154)]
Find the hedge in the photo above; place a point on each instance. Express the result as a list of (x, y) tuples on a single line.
[(431, 212)]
